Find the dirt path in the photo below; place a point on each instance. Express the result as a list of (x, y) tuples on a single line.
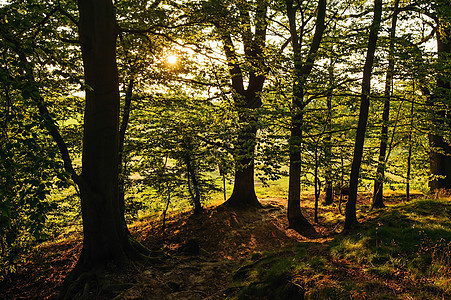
[(202, 252), (205, 249)]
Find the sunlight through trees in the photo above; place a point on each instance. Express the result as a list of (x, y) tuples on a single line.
[(112, 112)]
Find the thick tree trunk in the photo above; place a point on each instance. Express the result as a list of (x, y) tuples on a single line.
[(246, 100), (106, 240), (380, 172), (440, 155), (100, 201), (105, 237), (243, 194), (350, 214)]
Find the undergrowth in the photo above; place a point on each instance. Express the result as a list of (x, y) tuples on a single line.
[(403, 252)]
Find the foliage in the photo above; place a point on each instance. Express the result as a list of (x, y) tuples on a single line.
[(184, 121), (29, 161), (30, 173), (162, 146)]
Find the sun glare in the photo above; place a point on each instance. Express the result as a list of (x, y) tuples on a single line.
[(171, 59)]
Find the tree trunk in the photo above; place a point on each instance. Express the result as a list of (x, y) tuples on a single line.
[(317, 183), (296, 219), (440, 163), (380, 172), (122, 129), (243, 193), (350, 214), (100, 205), (301, 71), (106, 240), (192, 174), (247, 100), (329, 198), (409, 152), (440, 156)]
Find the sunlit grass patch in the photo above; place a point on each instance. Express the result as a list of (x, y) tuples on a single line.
[(349, 289), (331, 290), (413, 239), (331, 217), (400, 252), (276, 188), (354, 248), (268, 275)]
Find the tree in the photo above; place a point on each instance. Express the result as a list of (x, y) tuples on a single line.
[(329, 198), (440, 155), (106, 240), (351, 217), (301, 72), (379, 180), (246, 100)]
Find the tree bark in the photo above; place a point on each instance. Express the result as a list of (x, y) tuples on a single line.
[(106, 240), (440, 155), (243, 194), (409, 151), (329, 198), (301, 71), (380, 172), (247, 100), (350, 213), (192, 174)]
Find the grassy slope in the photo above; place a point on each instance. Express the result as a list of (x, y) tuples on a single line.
[(403, 252)]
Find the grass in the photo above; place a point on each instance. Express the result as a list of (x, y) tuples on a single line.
[(265, 276), (404, 252), (400, 252)]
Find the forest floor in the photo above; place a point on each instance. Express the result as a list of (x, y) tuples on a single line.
[(251, 254)]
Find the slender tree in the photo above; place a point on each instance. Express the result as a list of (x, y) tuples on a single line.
[(380, 172), (351, 217), (301, 72), (329, 198), (192, 175), (409, 151)]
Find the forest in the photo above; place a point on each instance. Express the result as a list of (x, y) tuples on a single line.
[(225, 149)]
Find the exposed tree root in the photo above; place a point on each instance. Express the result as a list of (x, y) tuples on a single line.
[(303, 227), (236, 202), (350, 227), (99, 281)]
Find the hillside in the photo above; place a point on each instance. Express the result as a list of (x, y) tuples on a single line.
[(402, 252)]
